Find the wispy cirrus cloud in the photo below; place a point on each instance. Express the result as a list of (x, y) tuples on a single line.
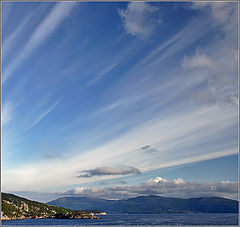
[(44, 114), (9, 43), (140, 18), (109, 171), (102, 72), (59, 12), (181, 132)]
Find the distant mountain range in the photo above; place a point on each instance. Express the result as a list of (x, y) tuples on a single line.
[(150, 205), (15, 207)]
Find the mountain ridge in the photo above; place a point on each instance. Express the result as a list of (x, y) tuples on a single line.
[(150, 204)]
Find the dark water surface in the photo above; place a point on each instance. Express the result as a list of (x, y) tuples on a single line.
[(138, 219)]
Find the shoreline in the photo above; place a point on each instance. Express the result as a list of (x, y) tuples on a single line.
[(93, 217)]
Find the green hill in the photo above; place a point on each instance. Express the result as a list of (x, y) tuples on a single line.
[(15, 207)]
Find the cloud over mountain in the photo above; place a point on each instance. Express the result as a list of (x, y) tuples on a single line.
[(161, 187)]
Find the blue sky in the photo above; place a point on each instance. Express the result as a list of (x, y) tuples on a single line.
[(103, 99)]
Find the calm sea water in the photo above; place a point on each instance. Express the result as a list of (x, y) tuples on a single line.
[(141, 219)]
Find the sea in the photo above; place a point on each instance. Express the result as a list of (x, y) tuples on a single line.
[(138, 219)]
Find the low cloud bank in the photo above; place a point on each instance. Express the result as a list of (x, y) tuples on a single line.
[(161, 187)]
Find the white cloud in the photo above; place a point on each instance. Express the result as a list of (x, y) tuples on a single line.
[(218, 60), (221, 11), (156, 180), (161, 187), (41, 33), (224, 14), (155, 186), (221, 86), (160, 180), (198, 60), (140, 18)]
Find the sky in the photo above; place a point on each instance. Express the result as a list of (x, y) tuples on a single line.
[(119, 99)]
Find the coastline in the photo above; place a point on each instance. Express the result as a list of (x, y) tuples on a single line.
[(24, 218), (213, 219)]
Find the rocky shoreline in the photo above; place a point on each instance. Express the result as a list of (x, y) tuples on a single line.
[(56, 216)]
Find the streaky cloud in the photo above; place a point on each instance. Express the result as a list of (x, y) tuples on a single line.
[(40, 34), (126, 149), (44, 114), (11, 41)]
